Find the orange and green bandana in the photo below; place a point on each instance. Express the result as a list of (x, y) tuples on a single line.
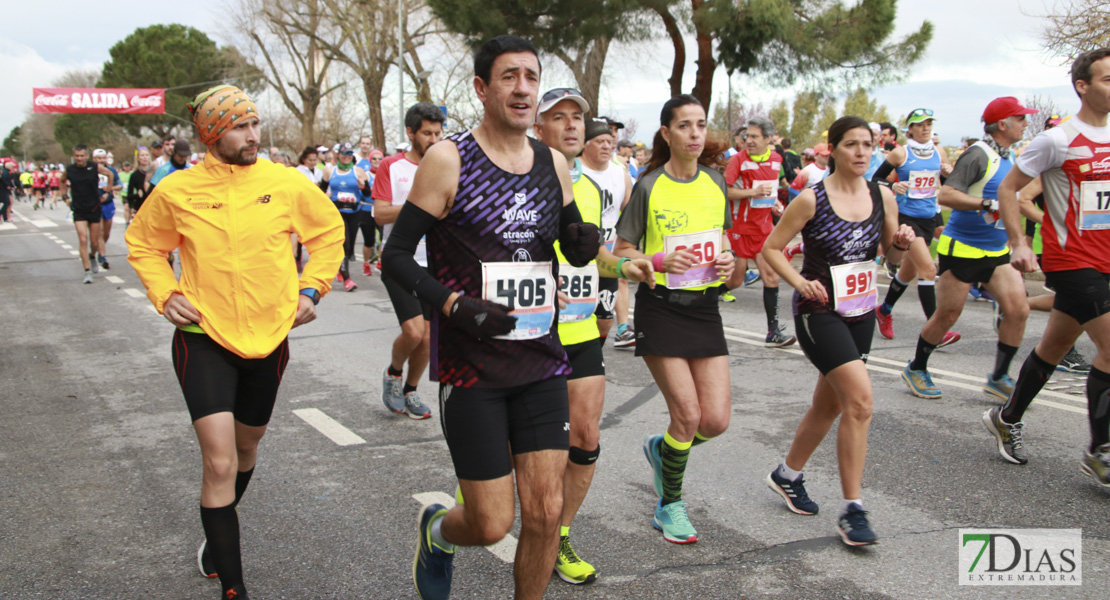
[(217, 109)]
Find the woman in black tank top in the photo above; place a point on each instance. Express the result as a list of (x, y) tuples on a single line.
[(842, 223)]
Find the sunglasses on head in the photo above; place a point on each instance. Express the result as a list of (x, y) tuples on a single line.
[(560, 93), (922, 112)]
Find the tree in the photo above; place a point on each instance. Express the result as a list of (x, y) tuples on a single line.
[(288, 61), (180, 59), (577, 32), (859, 104), (12, 145), (1075, 27), (791, 41), (1047, 107)]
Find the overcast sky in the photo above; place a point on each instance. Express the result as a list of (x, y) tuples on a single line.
[(981, 49)]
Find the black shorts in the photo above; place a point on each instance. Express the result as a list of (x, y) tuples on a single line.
[(938, 221), (92, 215), (922, 228), (606, 298), (830, 341), (368, 227), (1082, 294), (586, 359), (972, 270), (215, 379), (679, 323), (405, 304), (485, 427)]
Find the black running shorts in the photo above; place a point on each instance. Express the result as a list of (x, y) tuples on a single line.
[(972, 270), (830, 341), (215, 379), (1082, 294), (922, 228), (606, 298), (585, 359), (368, 227), (485, 427), (93, 215), (405, 304)]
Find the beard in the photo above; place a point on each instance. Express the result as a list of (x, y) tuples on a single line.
[(243, 156)]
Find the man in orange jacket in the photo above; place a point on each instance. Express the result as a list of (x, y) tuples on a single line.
[(237, 298)]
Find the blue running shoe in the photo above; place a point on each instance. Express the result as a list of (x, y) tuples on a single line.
[(671, 519), (853, 527), (651, 452), (432, 566), (794, 492), (1001, 388), (921, 383), (750, 277)]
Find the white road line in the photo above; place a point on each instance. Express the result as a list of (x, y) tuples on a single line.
[(901, 365), (7, 226), (43, 223), (58, 241), (113, 279), (74, 252), (134, 293), (152, 309), (66, 246), (329, 427), (120, 220), (504, 549)]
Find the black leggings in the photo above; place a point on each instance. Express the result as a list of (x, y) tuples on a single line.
[(214, 379)]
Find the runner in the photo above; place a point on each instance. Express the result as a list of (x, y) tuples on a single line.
[(560, 124), (973, 249), (7, 188), (371, 249), (753, 181), (812, 174), (347, 186), (82, 176), (424, 127), (178, 161), (616, 186), (139, 185), (167, 149), (503, 392), (918, 166), (679, 214), (231, 217), (1073, 161), (108, 184), (38, 187), (52, 179), (843, 221), (124, 174)]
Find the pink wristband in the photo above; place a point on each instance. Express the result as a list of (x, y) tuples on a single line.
[(657, 261)]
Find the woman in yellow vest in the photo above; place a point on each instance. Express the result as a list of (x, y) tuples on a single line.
[(678, 214)]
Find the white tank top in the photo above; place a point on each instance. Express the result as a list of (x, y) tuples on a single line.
[(612, 184)]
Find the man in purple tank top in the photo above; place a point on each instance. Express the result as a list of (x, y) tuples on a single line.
[(492, 202)]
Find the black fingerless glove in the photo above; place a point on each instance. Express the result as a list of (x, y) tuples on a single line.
[(481, 318), (580, 243)]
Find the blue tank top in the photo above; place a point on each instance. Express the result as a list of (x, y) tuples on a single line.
[(498, 219), (367, 205), (344, 191), (923, 177), (982, 229), (831, 241)]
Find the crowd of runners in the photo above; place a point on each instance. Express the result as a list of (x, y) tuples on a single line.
[(507, 251)]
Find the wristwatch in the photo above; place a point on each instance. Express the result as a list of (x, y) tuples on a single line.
[(312, 294), (986, 204)]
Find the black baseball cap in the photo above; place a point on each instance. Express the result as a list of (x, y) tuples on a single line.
[(596, 127), (156, 144), (614, 122), (181, 148)]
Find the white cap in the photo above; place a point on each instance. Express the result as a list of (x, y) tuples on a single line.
[(99, 152)]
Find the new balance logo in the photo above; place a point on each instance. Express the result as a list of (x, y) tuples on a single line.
[(263, 199)]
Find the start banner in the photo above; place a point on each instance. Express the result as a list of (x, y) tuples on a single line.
[(100, 100)]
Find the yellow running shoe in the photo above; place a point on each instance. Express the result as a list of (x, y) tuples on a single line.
[(570, 568)]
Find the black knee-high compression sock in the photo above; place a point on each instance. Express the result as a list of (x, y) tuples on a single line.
[(1002, 359), (893, 293), (221, 529), (1034, 373), (1098, 407), (771, 307), (921, 357), (242, 478), (927, 293)]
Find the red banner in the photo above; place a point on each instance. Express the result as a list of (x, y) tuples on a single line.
[(100, 100)]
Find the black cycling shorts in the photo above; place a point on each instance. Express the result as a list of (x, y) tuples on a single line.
[(93, 215), (922, 228), (586, 359), (368, 227), (1082, 294), (972, 270), (830, 341), (405, 304), (215, 379), (606, 298), (485, 427)]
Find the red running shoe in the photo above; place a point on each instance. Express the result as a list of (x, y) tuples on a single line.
[(350, 285), (791, 251), (367, 270), (886, 324), (950, 338)]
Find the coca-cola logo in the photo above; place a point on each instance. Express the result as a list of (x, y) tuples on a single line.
[(55, 100), (151, 101)]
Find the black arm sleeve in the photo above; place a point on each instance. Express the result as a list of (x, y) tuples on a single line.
[(399, 261), (880, 176)]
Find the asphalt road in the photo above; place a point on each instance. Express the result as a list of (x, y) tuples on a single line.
[(100, 469)]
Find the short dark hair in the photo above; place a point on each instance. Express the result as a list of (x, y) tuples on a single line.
[(308, 150), (420, 112), (884, 126), (168, 137), (1081, 68), (502, 44), (786, 143), (80, 147)]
